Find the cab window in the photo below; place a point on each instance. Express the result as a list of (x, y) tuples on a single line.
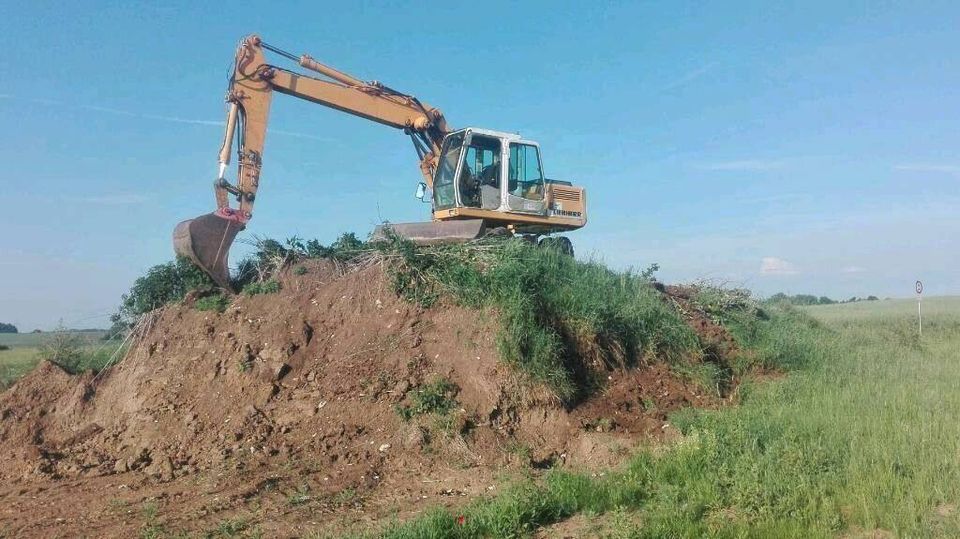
[(480, 174), (526, 176), (443, 184)]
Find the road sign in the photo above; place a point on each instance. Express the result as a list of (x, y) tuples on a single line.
[(919, 287)]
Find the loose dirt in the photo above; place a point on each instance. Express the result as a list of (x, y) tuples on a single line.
[(281, 415)]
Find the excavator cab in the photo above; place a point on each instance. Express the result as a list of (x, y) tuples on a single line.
[(498, 178), (473, 165)]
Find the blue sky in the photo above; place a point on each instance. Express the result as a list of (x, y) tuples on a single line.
[(803, 147)]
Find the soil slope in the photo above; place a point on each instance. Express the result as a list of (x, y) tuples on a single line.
[(281, 415)]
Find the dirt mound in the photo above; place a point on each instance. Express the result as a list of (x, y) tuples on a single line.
[(331, 386)]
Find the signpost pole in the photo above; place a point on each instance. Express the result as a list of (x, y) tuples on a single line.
[(919, 303)]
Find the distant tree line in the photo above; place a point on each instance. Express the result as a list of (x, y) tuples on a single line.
[(810, 299), (8, 328)]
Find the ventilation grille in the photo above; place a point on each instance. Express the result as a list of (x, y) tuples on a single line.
[(561, 193)]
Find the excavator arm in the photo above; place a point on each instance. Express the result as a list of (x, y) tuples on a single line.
[(207, 239)]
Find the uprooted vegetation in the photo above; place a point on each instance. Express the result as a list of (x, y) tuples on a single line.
[(356, 368)]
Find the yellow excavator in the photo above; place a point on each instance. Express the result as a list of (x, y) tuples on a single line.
[(479, 181)]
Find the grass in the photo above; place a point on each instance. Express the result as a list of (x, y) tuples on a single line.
[(860, 440)]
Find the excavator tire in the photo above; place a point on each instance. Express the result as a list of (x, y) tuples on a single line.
[(561, 244)]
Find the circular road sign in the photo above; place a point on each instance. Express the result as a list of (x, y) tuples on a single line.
[(919, 287)]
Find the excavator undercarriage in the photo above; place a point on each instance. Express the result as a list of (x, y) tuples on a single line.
[(477, 181)]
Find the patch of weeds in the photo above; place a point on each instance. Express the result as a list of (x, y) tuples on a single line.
[(347, 496), (453, 424), (708, 376), (244, 365), (437, 397), (151, 528), (520, 450), (605, 424), (300, 497), (233, 528), (215, 302), (150, 511), (405, 412), (649, 405), (270, 286), (300, 270)]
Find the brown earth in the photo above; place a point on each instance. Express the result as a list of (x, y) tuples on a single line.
[(280, 415)]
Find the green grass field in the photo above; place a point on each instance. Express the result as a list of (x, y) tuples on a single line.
[(861, 440), (24, 351)]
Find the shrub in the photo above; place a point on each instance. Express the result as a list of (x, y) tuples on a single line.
[(162, 284), (271, 256), (70, 351), (215, 302)]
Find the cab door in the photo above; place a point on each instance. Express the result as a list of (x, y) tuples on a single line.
[(525, 183)]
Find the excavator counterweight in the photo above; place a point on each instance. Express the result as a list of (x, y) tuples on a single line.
[(478, 180)]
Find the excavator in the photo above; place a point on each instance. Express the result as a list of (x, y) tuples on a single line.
[(479, 182)]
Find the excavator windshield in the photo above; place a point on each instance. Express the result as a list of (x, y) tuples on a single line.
[(444, 195)]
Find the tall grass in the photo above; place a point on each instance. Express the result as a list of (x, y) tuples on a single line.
[(862, 440), (560, 318)]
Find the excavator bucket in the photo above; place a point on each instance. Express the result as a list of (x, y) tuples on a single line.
[(433, 233), (206, 241)]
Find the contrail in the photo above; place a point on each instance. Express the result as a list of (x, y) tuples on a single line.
[(148, 116)]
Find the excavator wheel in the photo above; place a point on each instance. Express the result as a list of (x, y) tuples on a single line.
[(561, 244)]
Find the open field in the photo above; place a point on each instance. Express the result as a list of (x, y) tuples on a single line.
[(24, 351), (935, 309)]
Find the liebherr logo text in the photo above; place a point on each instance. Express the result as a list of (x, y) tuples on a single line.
[(564, 213)]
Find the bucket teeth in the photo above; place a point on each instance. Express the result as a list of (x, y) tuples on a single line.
[(206, 241)]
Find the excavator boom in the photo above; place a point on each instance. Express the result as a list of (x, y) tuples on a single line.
[(206, 240)]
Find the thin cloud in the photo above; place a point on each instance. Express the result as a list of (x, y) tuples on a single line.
[(154, 117), (120, 199), (688, 77), (742, 165), (771, 265), (144, 116), (852, 269), (774, 199), (929, 167)]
